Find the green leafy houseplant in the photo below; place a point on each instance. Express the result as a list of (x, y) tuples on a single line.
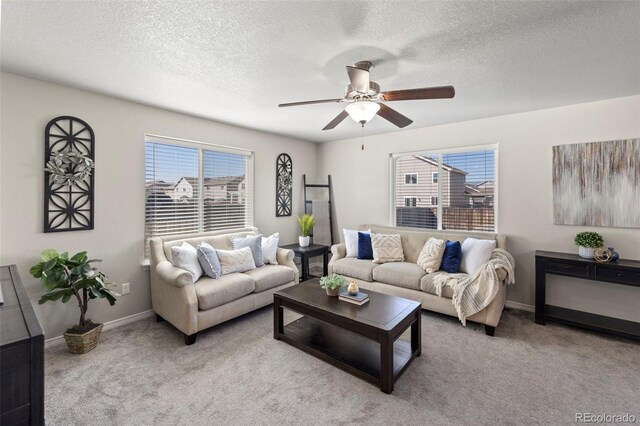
[(332, 284), (589, 239), (67, 277), (306, 222)]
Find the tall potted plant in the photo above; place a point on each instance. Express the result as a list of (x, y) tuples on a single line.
[(67, 277), (587, 243), (306, 222)]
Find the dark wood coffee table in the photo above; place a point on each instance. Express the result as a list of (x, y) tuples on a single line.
[(362, 340)]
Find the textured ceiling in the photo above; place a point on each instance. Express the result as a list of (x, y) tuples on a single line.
[(234, 61)]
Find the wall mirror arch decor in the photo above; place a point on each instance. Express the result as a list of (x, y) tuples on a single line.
[(284, 185), (69, 175)]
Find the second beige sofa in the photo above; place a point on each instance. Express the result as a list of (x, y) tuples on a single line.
[(407, 279)]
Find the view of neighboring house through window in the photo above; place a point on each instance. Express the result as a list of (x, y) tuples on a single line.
[(459, 196), (411, 178), (193, 187)]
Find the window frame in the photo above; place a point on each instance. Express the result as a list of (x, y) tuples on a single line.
[(432, 198), (411, 198), (202, 147), (495, 147), (410, 174), (435, 177)]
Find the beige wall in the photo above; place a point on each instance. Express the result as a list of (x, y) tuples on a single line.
[(524, 184), (27, 105)]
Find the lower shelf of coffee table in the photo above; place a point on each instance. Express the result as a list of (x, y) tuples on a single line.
[(344, 349)]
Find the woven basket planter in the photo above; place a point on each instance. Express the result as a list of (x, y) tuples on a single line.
[(83, 343)]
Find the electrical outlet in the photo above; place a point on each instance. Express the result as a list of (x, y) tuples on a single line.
[(125, 288)]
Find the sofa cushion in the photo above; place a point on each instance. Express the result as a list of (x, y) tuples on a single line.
[(452, 257), (401, 274), (356, 268), (186, 257), (365, 250), (270, 276), (426, 285), (227, 288)]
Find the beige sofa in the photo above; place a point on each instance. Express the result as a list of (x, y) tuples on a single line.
[(192, 307), (407, 279)]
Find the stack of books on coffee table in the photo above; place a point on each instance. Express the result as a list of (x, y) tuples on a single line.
[(358, 299)]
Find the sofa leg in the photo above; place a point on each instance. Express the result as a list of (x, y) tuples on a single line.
[(190, 339), (489, 330), (159, 318)]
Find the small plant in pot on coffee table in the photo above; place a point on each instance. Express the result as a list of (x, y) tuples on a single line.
[(587, 242), (332, 284), (73, 278)]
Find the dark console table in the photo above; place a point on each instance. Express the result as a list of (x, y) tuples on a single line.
[(625, 272), (21, 355), (304, 253)]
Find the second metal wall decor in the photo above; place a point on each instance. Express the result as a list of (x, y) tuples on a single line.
[(284, 185), (68, 178)]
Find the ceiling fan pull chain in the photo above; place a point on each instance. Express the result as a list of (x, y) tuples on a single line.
[(362, 136)]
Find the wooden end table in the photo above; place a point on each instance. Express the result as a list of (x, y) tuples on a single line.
[(305, 253), (362, 340)]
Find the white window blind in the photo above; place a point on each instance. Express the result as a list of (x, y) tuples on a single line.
[(460, 195), (192, 187)]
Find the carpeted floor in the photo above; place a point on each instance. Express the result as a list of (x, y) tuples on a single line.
[(236, 373)]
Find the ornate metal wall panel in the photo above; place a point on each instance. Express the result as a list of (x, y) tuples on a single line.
[(68, 206), (284, 185)]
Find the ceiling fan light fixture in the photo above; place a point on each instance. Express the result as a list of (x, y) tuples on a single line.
[(363, 111)]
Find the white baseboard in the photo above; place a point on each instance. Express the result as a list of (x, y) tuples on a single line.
[(107, 326), (520, 306)]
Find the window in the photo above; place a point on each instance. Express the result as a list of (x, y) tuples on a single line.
[(192, 187), (411, 179), (410, 201), (461, 194)]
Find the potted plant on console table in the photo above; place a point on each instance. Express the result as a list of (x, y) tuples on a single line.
[(587, 243), (306, 222), (65, 277)]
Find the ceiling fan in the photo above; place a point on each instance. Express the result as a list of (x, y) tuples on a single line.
[(365, 99)]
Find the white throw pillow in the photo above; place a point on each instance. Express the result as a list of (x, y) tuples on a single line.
[(351, 240), (387, 248), (475, 253), (240, 260), (270, 248), (431, 255), (186, 257)]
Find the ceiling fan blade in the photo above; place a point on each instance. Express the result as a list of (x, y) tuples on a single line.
[(336, 120), (441, 92), (393, 116), (320, 101), (359, 79)]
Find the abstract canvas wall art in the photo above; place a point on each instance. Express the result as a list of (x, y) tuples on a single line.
[(597, 184)]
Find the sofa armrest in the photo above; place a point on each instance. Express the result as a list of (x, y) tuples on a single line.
[(172, 275), (338, 251), (285, 258)]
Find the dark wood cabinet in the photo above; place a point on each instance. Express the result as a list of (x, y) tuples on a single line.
[(21, 355), (625, 272)]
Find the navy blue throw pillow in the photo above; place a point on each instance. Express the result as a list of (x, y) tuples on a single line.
[(452, 257), (365, 251)]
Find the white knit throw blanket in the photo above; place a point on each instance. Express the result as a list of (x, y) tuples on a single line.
[(469, 296)]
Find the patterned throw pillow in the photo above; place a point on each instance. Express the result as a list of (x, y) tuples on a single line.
[(240, 260), (186, 257), (254, 242), (209, 261), (387, 248), (431, 255)]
